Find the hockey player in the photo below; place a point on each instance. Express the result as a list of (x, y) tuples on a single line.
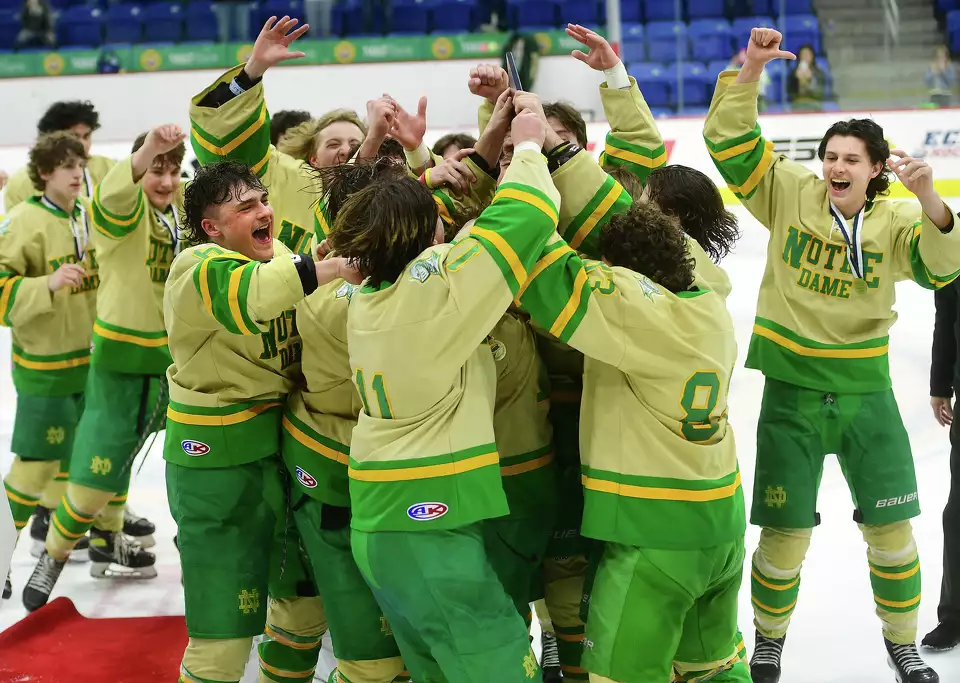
[(229, 313), (284, 120), (135, 213), (820, 338), (662, 485), (423, 466), (48, 284), (79, 118)]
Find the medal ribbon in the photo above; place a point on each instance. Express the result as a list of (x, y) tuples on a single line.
[(79, 226), (852, 236), (172, 228)]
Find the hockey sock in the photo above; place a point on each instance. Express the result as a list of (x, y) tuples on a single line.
[(24, 485), (543, 616), (741, 647), (54, 491), (294, 632), (73, 518), (370, 671), (895, 577), (214, 660), (111, 516), (563, 584), (775, 578), (731, 669)]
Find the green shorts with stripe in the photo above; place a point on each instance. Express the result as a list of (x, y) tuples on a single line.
[(693, 595), (238, 544), (798, 427), (120, 412), (45, 426), (515, 548)]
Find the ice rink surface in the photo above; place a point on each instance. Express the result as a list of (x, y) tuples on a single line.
[(835, 636)]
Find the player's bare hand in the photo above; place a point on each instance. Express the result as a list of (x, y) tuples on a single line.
[(322, 250), (273, 45), (164, 138), (528, 127), (915, 174), (601, 56), (381, 114), (523, 101), (452, 173), (942, 410), (488, 81), (764, 46), (348, 271), (67, 275), (503, 113), (408, 129), (3, 179)]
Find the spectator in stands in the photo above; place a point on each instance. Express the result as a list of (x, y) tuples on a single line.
[(806, 82), (36, 21), (736, 62), (450, 144), (319, 14), (941, 78), (233, 19), (286, 119)]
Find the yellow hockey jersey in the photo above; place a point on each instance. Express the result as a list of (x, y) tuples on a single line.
[(817, 325), (423, 454), (136, 243), (51, 330), (659, 459), (634, 140), (322, 412), (233, 337), (19, 187), (240, 130)]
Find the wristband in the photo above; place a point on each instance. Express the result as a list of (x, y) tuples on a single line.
[(419, 157), (236, 88), (617, 77), (527, 144)]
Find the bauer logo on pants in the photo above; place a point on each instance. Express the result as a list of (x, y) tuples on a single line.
[(306, 478), (194, 448), (424, 512)]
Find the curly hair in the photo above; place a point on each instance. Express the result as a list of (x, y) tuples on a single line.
[(571, 119), (461, 140), (51, 151), (284, 120), (384, 226), (878, 148), (173, 157), (649, 242), (692, 198), (66, 115), (213, 185), (301, 140)]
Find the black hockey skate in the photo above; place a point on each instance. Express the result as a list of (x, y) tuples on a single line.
[(38, 534), (114, 555), (906, 662), (139, 528), (765, 663), (945, 636), (7, 588), (41, 583), (550, 658)]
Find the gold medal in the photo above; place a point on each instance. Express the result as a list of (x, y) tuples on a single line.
[(860, 285)]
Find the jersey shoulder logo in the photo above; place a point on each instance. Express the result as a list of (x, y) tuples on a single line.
[(423, 268), (346, 291), (306, 478), (424, 512), (649, 288)]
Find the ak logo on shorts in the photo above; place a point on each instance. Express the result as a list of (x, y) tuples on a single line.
[(194, 448), (424, 512), (306, 478)]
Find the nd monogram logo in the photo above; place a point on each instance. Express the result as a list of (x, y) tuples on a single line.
[(530, 665), (101, 465), (56, 436), (249, 601), (775, 497)]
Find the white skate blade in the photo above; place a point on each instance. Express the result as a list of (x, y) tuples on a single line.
[(145, 542), (111, 570)]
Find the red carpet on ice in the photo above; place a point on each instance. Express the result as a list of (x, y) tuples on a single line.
[(56, 644)]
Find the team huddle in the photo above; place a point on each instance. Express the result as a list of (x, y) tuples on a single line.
[(408, 393)]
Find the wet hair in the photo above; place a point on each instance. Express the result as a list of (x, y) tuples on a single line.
[(877, 147), (649, 242), (301, 140), (461, 140), (384, 226), (693, 199), (66, 115), (284, 120), (174, 156), (340, 182), (50, 152), (213, 185), (391, 149), (571, 119)]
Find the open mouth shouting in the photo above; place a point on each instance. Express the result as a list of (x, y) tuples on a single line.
[(263, 235), (839, 186)]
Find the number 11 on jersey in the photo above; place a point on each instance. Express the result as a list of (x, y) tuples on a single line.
[(380, 389)]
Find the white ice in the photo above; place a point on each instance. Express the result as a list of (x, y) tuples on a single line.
[(835, 636)]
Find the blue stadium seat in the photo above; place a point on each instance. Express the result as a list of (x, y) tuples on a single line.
[(953, 21), (710, 39), (794, 7), (410, 17), (696, 82), (633, 52), (706, 9), (275, 8), (351, 12), (200, 21), (955, 41), (666, 41), (632, 32), (10, 5), (631, 11), (123, 24), (765, 7), (9, 28), (660, 10), (801, 30), (715, 67), (583, 12), (743, 25), (777, 70), (454, 16), (655, 82), (162, 22), (532, 14), (947, 5), (80, 25)]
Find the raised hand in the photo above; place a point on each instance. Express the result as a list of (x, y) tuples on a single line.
[(528, 127), (915, 174), (69, 274), (409, 129), (273, 45), (764, 46), (381, 114), (488, 81), (452, 173), (601, 56), (164, 138)]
